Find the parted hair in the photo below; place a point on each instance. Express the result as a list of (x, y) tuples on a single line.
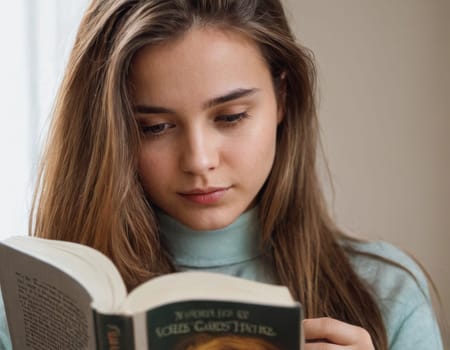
[(89, 189)]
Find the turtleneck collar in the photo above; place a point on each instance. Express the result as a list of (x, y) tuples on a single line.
[(233, 244)]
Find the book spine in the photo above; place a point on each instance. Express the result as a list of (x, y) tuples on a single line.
[(113, 332)]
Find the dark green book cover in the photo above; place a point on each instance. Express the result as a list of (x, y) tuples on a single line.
[(191, 325)]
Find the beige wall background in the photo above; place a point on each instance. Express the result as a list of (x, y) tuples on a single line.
[(384, 79)]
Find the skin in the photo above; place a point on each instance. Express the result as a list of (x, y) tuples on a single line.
[(194, 142), (330, 334), (208, 112)]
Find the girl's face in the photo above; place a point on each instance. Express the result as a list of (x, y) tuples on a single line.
[(208, 112)]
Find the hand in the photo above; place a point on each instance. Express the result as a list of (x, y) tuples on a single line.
[(329, 334)]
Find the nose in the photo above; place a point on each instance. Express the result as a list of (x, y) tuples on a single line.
[(200, 152)]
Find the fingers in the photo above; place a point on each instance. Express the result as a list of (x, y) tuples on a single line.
[(323, 346), (327, 333)]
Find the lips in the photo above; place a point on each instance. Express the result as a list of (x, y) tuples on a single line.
[(205, 196)]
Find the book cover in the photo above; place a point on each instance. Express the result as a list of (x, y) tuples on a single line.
[(208, 324)]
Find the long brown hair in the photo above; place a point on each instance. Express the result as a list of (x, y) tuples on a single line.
[(89, 191)]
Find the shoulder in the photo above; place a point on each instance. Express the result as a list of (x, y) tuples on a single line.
[(400, 288), (388, 270)]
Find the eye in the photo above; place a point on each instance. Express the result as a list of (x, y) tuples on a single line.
[(231, 118), (157, 129)]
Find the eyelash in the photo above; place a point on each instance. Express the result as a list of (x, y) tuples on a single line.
[(150, 129), (229, 120), (232, 119)]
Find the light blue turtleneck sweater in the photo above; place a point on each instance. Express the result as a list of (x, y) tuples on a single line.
[(236, 250)]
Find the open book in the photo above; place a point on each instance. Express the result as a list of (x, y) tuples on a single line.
[(61, 295)]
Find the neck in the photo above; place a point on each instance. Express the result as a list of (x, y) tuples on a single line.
[(233, 244)]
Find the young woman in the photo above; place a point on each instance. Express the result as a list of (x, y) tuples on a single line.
[(184, 138)]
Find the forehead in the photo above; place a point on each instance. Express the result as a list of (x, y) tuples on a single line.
[(205, 58), (209, 42)]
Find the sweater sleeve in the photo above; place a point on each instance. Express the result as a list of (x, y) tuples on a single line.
[(401, 291), (5, 341), (417, 330)]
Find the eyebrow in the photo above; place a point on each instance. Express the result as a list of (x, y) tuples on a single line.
[(230, 96)]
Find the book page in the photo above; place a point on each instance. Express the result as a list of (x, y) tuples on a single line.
[(89, 267), (45, 308), (48, 288), (203, 285)]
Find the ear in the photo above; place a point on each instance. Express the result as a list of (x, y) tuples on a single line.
[(280, 87)]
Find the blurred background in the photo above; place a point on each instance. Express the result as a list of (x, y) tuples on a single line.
[(36, 38), (384, 91)]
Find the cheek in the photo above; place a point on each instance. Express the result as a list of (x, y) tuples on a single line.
[(265, 153), (255, 152), (153, 169), (267, 149)]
